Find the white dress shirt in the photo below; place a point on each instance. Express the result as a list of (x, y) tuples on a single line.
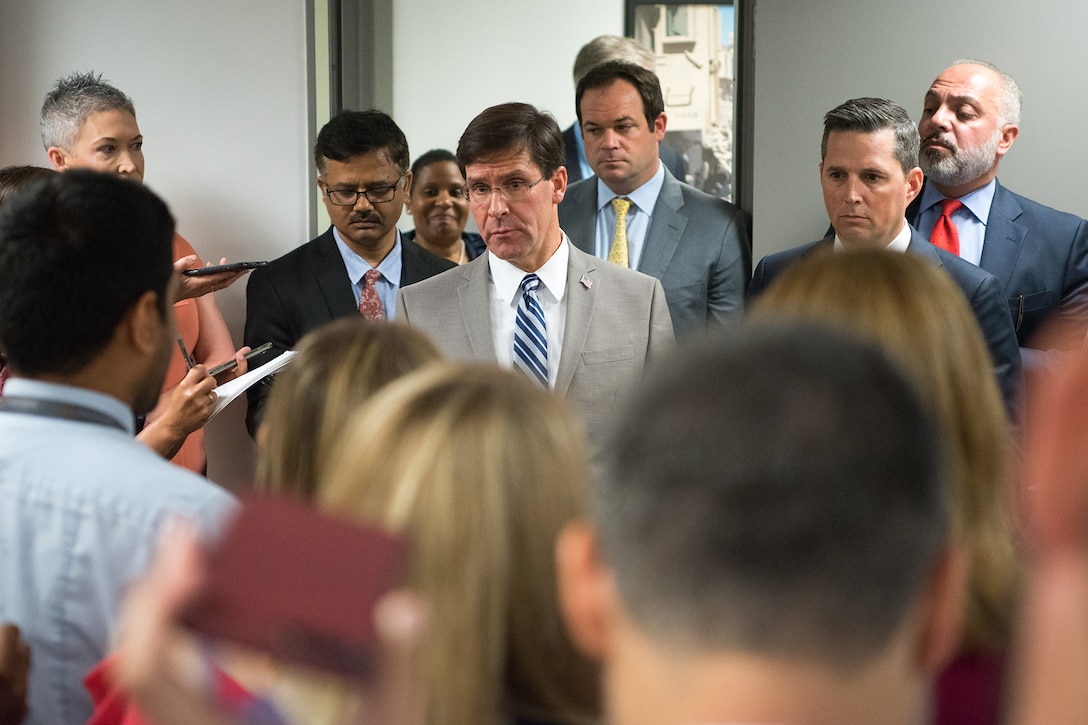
[(505, 286)]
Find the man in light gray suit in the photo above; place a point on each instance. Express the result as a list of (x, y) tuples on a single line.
[(636, 214), (571, 322)]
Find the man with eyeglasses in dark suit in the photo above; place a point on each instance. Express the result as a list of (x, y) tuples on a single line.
[(359, 263)]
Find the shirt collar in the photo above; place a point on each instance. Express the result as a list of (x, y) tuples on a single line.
[(898, 244), (978, 202), (111, 406), (553, 274), (644, 197), (357, 266)]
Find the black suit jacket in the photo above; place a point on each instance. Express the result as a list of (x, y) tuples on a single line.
[(673, 159), (304, 289), (1040, 257), (982, 289)]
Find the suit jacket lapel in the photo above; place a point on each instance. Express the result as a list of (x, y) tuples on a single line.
[(332, 277), (1004, 236), (580, 221), (666, 227), (581, 300), (920, 245), (474, 297)]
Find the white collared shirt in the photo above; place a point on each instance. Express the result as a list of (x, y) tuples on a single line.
[(898, 244), (639, 216), (505, 288)]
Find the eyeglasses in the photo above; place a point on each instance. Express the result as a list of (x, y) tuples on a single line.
[(513, 190), (375, 195)]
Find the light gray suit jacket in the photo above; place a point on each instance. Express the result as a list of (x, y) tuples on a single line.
[(697, 245), (615, 326)]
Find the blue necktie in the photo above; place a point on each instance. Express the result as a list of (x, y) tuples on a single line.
[(531, 334)]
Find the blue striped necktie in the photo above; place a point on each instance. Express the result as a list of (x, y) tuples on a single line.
[(531, 334)]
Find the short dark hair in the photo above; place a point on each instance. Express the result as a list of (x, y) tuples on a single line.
[(644, 81), (15, 178), (77, 250), (779, 491), (353, 133), (869, 115), (513, 128), (72, 101), (433, 156)]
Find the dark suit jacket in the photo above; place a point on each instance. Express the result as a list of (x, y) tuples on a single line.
[(981, 288), (673, 159), (617, 322), (697, 245), (1040, 257), (303, 290)]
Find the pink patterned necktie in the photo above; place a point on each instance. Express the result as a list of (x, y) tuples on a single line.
[(944, 234), (370, 304)]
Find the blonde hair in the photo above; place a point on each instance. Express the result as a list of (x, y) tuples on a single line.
[(338, 367), (480, 470), (917, 313)]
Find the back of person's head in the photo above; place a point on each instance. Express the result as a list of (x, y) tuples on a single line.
[(354, 133), (512, 128), (604, 48), (338, 368), (918, 315), (71, 101), (14, 178), (871, 115), (644, 81), (777, 493), (480, 470), (76, 252)]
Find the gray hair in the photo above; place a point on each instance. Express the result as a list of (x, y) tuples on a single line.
[(73, 100), (611, 47), (1009, 97)]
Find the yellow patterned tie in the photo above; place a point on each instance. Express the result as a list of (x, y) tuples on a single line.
[(618, 252)]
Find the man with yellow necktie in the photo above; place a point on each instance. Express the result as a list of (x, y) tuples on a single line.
[(635, 213)]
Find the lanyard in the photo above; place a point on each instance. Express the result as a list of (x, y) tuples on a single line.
[(55, 409)]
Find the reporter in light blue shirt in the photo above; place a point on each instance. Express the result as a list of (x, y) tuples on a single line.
[(81, 502)]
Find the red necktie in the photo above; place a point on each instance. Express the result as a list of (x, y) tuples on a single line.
[(370, 304), (944, 234)]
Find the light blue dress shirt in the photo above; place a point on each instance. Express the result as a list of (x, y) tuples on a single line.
[(638, 217), (389, 267), (81, 505), (970, 221)]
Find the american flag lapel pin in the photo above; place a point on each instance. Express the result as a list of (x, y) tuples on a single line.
[(586, 281)]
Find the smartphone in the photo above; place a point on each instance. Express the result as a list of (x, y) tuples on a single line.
[(232, 267), (298, 584), (231, 364)]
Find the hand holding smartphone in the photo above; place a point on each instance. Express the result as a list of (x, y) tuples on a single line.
[(232, 363), (216, 269)]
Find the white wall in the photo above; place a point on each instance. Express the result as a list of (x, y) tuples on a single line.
[(811, 56), (221, 96), (454, 59)]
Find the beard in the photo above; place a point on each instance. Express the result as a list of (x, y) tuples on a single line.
[(962, 165)]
